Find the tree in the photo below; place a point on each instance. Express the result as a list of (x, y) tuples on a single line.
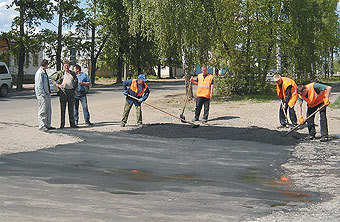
[(180, 29), (30, 15)]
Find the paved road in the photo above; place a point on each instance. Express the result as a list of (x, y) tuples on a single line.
[(159, 172)]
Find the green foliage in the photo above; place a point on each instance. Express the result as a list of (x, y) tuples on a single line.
[(297, 38)]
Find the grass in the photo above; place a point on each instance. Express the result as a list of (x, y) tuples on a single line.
[(259, 98), (336, 104), (332, 79), (268, 95)]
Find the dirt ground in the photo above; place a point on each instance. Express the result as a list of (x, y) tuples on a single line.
[(314, 165)]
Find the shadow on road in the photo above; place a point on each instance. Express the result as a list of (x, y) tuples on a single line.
[(254, 134)]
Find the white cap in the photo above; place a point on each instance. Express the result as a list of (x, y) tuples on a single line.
[(276, 77)]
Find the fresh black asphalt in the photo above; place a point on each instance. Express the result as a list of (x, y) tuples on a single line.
[(232, 172)]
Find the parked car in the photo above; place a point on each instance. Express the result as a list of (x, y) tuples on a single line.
[(5, 80), (54, 88)]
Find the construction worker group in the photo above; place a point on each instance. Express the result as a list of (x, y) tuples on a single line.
[(72, 89), (316, 96)]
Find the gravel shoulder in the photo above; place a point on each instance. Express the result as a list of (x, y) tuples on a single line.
[(314, 166)]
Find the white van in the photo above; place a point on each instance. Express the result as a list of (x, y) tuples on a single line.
[(5, 79)]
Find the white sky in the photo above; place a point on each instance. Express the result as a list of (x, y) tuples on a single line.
[(7, 15)]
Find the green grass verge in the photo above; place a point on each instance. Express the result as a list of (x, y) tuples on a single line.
[(268, 95), (336, 104)]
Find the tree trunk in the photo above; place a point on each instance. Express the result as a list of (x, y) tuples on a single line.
[(93, 58), (159, 71), (120, 66), (21, 59), (59, 38), (187, 76)]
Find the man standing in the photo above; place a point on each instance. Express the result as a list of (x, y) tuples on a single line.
[(136, 88), (204, 93), (67, 83), (316, 95), (286, 91), (83, 83), (43, 94)]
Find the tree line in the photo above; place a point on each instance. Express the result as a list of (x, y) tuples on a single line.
[(248, 38)]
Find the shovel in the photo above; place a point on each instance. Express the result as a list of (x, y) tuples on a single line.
[(305, 120), (185, 104), (193, 125)]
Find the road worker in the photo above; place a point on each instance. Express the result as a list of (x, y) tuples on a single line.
[(286, 90), (204, 94), (136, 88), (316, 95)]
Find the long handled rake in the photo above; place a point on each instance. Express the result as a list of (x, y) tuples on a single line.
[(182, 120), (305, 120)]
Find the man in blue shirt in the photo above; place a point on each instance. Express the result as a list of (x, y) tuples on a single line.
[(83, 83)]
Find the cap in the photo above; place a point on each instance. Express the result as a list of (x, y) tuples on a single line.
[(142, 77), (276, 77)]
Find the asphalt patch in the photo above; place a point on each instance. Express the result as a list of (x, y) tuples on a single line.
[(253, 134)]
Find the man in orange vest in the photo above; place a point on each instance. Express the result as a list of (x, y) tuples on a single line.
[(316, 95), (204, 94), (136, 88), (286, 91)]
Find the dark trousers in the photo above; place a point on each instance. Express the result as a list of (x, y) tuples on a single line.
[(67, 96), (292, 115), (200, 101), (323, 120)]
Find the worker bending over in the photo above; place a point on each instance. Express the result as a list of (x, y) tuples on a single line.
[(136, 88), (286, 90), (316, 95)]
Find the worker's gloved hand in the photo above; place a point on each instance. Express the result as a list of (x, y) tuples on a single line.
[(140, 100), (326, 101), (301, 120), (126, 93)]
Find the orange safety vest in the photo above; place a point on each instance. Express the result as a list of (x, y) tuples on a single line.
[(134, 88), (313, 99), (281, 93), (204, 85)]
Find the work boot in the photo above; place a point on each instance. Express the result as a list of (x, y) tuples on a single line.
[(122, 124), (310, 137), (51, 128), (204, 121), (281, 127), (139, 124), (89, 123), (195, 119), (44, 129), (324, 139)]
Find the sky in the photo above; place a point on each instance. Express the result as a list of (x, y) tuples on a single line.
[(7, 15)]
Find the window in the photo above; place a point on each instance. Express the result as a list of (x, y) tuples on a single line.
[(27, 60), (3, 69), (35, 59)]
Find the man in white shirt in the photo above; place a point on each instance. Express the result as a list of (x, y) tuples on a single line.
[(67, 84)]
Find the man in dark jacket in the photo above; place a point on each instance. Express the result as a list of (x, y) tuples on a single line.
[(67, 83), (136, 88)]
